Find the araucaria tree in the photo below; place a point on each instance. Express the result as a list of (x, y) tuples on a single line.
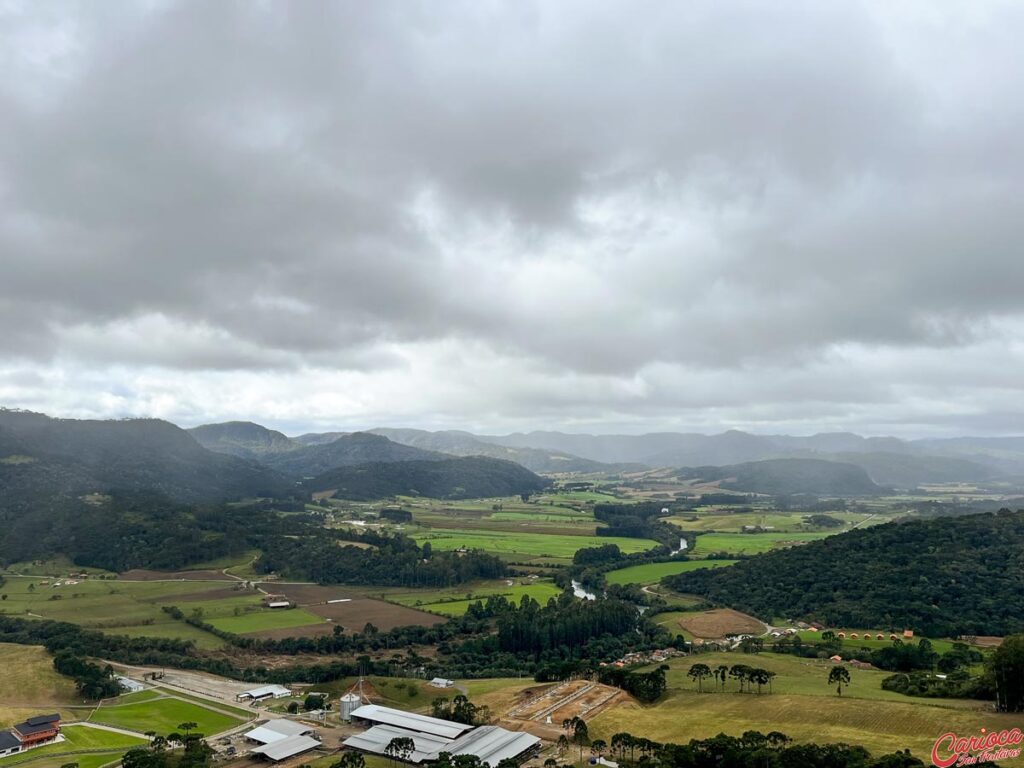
[(839, 676), (699, 672)]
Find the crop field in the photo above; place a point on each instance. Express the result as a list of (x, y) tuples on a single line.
[(652, 573), (802, 706), (264, 620), (718, 623), (750, 543), (518, 546), (164, 715), (115, 607), (78, 738)]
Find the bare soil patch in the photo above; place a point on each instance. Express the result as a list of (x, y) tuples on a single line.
[(139, 574), (719, 623), (306, 594)]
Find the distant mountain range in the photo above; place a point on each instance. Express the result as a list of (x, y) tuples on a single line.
[(44, 457), (468, 477)]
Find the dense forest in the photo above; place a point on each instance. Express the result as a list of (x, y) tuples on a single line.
[(458, 478), (44, 459), (388, 561), (148, 530), (942, 577)]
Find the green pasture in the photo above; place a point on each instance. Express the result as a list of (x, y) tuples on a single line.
[(750, 543), (802, 706), (163, 716), (266, 619), (652, 573), (510, 545)]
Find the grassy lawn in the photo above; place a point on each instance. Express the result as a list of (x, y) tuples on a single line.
[(259, 621), (164, 716), (750, 543), (652, 573), (530, 544), (802, 706), (29, 677), (79, 738)]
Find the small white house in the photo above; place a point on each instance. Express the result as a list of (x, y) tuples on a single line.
[(129, 685), (442, 682)]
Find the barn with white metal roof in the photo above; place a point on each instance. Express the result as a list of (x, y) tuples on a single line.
[(493, 744), (375, 741), (278, 730), (287, 747), (372, 714)]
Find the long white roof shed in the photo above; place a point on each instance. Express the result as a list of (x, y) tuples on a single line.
[(492, 744), (377, 738), (410, 721), (278, 730), (285, 748)]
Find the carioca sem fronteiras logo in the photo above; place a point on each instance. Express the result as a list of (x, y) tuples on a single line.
[(988, 746)]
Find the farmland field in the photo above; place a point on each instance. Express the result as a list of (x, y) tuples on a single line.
[(264, 620), (750, 543), (163, 716), (802, 706), (453, 601), (511, 545), (652, 573)]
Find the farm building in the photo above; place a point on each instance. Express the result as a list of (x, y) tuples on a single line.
[(442, 682), (490, 743), (33, 732), (277, 730), (129, 685), (264, 692), (372, 714), (375, 741), (285, 748)]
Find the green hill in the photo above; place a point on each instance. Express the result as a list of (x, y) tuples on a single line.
[(459, 478), (789, 476), (243, 439), (43, 458), (346, 451), (941, 577)]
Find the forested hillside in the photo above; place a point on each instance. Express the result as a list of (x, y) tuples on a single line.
[(42, 459), (459, 443), (242, 438), (790, 476), (346, 451), (460, 478), (943, 577)]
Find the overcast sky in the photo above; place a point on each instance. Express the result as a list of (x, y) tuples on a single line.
[(774, 216)]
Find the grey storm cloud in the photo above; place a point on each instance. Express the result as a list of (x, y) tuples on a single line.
[(504, 213)]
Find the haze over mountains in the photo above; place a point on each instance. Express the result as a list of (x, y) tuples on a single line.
[(44, 457), (888, 461)]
